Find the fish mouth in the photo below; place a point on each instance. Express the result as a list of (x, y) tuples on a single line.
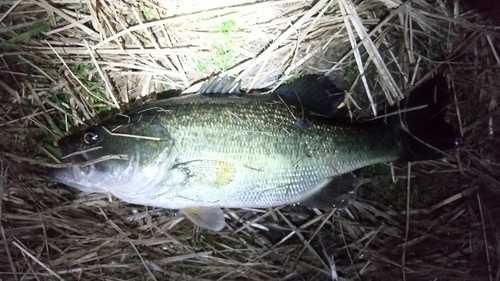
[(75, 173), (71, 155), (75, 178)]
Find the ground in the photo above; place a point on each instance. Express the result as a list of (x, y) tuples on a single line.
[(66, 64)]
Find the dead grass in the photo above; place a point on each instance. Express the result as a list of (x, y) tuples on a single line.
[(66, 63)]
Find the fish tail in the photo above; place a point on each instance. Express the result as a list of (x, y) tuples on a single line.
[(425, 134)]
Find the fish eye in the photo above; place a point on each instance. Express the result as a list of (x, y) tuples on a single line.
[(90, 137)]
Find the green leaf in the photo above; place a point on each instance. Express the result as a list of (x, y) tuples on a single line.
[(32, 32), (226, 27)]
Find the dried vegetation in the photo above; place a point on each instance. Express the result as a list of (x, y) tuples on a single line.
[(67, 63)]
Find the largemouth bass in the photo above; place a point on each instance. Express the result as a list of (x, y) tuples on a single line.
[(200, 153)]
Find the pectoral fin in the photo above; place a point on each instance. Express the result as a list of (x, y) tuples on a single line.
[(210, 173), (207, 217), (339, 193)]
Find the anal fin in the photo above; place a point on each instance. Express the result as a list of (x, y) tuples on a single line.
[(339, 193), (207, 217)]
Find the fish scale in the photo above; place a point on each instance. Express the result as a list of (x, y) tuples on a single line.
[(275, 161)]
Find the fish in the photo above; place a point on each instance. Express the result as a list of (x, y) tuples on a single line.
[(222, 148)]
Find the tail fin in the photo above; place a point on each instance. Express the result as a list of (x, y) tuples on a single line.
[(427, 131)]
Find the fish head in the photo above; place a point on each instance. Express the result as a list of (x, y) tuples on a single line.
[(117, 161)]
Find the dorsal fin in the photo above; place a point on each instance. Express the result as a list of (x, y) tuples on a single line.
[(315, 92), (221, 85)]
